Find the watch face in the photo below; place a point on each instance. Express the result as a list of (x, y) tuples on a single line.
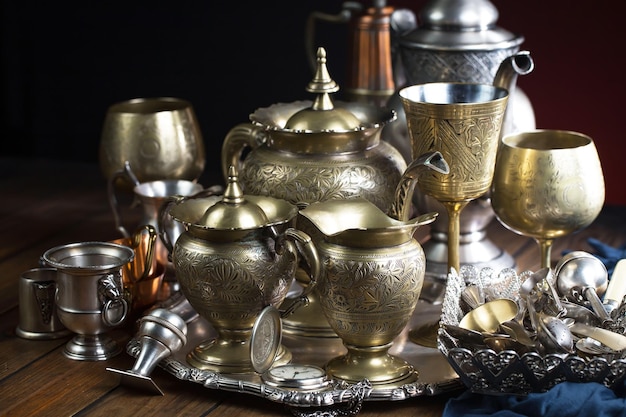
[(296, 376), (265, 339)]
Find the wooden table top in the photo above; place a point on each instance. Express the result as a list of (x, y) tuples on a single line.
[(48, 203)]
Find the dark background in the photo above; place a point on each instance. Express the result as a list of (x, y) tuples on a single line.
[(65, 63)]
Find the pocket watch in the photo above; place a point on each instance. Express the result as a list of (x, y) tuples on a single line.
[(266, 338), (296, 376)]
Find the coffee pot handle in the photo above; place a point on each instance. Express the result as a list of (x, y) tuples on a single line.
[(308, 251), (241, 137), (125, 173)]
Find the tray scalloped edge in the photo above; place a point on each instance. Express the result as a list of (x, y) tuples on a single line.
[(337, 393)]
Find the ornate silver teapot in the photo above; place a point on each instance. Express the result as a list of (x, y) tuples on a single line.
[(305, 152)]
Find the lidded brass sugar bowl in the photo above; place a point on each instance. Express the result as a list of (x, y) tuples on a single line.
[(237, 256), (305, 152)]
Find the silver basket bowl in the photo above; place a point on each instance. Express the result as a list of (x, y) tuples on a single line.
[(486, 371)]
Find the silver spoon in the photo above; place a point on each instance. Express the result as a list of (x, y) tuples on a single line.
[(580, 314), (581, 276), (591, 346), (552, 333)]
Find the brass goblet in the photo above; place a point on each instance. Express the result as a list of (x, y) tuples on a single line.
[(159, 136), (463, 122), (547, 184)]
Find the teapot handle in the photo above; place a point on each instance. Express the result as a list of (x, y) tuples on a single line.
[(240, 137), (125, 173), (309, 252)]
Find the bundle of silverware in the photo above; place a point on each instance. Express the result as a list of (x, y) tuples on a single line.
[(505, 332)]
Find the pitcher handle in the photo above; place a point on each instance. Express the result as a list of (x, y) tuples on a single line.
[(309, 252), (125, 173), (239, 138), (136, 242)]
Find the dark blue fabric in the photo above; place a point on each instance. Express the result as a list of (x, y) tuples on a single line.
[(567, 399), (607, 254)]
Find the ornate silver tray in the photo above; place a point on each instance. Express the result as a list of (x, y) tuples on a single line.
[(436, 376)]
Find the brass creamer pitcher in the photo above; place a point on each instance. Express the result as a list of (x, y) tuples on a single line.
[(372, 277)]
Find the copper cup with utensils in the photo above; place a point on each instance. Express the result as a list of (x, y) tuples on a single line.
[(143, 276)]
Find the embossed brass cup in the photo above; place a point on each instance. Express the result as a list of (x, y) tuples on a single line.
[(160, 137), (463, 122), (237, 256), (547, 184), (373, 272), (90, 295)]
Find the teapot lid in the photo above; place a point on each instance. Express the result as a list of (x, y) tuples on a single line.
[(234, 211), (467, 25), (323, 115)]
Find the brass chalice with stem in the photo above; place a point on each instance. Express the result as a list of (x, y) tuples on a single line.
[(547, 184), (462, 121)]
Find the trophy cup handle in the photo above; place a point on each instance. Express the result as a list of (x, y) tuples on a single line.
[(110, 291)]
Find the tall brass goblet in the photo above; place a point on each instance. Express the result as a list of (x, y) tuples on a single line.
[(463, 122), (547, 184)]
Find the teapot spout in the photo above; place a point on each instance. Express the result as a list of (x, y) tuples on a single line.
[(520, 63), (401, 206)]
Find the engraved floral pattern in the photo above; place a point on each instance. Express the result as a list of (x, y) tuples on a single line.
[(370, 298), (373, 176), (229, 284)]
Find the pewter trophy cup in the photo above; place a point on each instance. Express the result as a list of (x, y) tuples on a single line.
[(547, 184), (463, 122), (90, 295)]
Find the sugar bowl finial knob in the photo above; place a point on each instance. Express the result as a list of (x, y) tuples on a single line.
[(160, 334)]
